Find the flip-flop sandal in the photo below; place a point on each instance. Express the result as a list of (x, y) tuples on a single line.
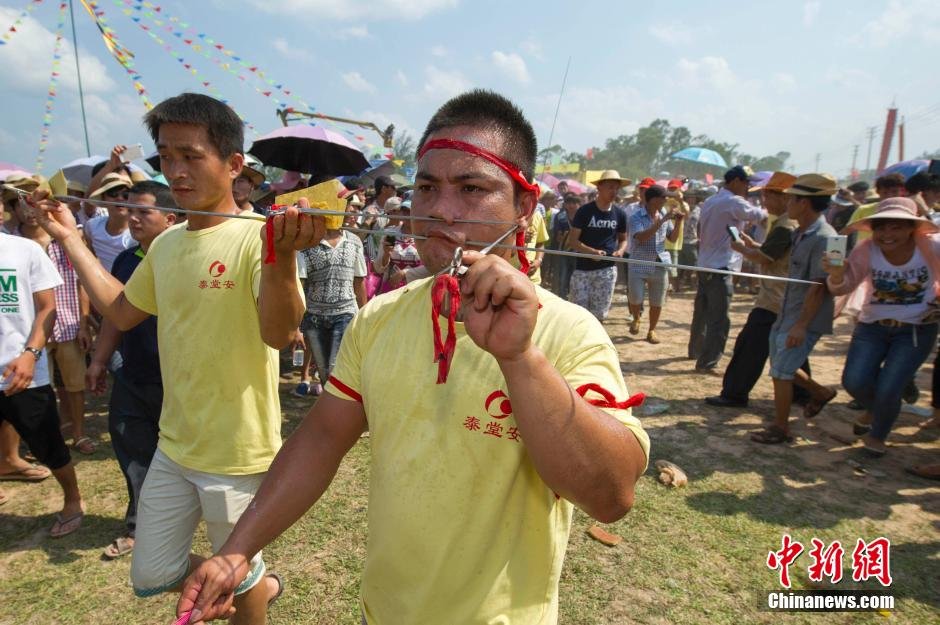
[(874, 453), (772, 435), (925, 471), (66, 526), (280, 588), (813, 406), (85, 445), (860, 429), (119, 547), (32, 473)]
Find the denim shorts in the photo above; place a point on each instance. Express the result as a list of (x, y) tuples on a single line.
[(784, 361)]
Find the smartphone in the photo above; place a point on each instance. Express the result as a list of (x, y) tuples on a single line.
[(735, 233), (132, 153), (835, 249)]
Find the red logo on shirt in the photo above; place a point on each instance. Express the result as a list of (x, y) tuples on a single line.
[(502, 409), (216, 269)]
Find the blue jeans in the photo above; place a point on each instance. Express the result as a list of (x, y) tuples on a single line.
[(323, 334), (880, 362)]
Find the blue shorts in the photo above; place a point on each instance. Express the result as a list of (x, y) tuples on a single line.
[(784, 361)]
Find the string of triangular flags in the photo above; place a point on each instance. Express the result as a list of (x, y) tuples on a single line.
[(188, 67), (53, 86), (226, 59), (12, 30), (120, 53)]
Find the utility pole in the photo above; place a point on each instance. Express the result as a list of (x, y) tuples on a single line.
[(817, 162), (853, 173), (871, 138)]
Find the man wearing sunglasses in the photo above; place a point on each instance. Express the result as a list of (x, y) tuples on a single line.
[(108, 236)]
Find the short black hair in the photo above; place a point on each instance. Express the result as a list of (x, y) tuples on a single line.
[(381, 182), (859, 187), (922, 181), (572, 197), (226, 131), (654, 192), (98, 167), (889, 181), (159, 191), (489, 110), (820, 203)]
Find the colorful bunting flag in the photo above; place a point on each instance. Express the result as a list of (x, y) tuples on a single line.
[(9, 32), (53, 84)]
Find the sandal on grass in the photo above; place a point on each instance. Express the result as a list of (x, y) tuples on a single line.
[(771, 435), (85, 445), (280, 588), (119, 547), (813, 406), (32, 473), (64, 526)]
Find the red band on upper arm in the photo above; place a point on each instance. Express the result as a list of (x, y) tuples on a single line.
[(342, 387)]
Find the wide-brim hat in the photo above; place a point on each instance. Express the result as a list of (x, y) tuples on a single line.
[(814, 185), (251, 169), (895, 208), (21, 183), (611, 174), (113, 180), (779, 181)]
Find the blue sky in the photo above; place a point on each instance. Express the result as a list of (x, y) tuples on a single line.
[(807, 77)]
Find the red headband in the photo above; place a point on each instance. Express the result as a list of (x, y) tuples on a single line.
[(514, 172)]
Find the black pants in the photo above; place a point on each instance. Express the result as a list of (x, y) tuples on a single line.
[(751, 350), (34, 416), (133, 421), (936, 382)]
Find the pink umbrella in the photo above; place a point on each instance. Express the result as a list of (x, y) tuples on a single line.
[(7, 173), (6, 165), (548, 179), (576, 187)]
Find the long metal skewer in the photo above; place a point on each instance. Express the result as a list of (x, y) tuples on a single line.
[(489, 245)]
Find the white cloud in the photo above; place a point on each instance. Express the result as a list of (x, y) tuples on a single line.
[(810, 12), (27, 61), (532, 48), (439, 51), (356, 9), (355, 32), (442, 84), (511, 65), (291, 51), (673, 34), (709, 71), (356, 82), (402, 78), (903, 20)]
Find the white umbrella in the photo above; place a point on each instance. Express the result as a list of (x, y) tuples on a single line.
[(79, 170)]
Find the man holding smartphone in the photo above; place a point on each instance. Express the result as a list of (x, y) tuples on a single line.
[(710, 320)]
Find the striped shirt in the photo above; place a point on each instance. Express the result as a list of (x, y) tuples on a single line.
[(654, 248)]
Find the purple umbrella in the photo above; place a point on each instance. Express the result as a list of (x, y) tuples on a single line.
[(907, 168), (311, 150)]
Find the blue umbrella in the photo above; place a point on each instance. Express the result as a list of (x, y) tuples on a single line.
[(907, 168), (701, 155)]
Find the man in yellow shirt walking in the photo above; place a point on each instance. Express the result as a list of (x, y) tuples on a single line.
[(474, 478), (204, 280)]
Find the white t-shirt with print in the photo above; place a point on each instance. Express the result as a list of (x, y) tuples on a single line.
[(24, 269), (900, 292)]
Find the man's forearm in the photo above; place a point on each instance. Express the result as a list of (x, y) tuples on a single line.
[(359, 288), (279, 303), (582, 453), (298, 477), (42, 327), (814, 299), (104, 290), (108, 340)]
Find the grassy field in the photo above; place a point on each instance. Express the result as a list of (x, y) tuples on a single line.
[(691, 555)]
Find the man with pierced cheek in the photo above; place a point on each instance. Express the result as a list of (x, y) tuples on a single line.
[(481, 453)]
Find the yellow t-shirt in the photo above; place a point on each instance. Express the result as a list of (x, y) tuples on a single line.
[(673, 203), (862, 212), (221, 412), (536, 234), (461, 527)]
